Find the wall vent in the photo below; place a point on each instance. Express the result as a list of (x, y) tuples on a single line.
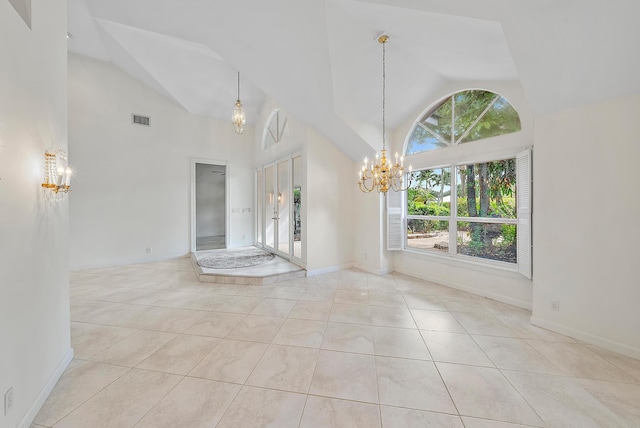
[(141, 120)]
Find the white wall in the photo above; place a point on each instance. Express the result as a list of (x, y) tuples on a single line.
[(210, 201), (330, 205), (585, 214), (505, 286), (132, 182), (34, 282), (327, 191), (367, 228)]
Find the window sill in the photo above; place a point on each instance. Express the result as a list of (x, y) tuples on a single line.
[(491, 267)]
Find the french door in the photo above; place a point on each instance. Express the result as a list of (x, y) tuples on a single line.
[(278, 200)]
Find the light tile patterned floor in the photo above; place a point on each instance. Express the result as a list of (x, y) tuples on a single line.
[(156, 348)]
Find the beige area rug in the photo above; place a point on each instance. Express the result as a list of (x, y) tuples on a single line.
[(233, 258)]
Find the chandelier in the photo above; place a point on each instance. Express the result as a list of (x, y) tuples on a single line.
[(239, 118), (381, 175)]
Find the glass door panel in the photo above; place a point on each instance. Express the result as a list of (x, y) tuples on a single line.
[(282, 207), (270, 207), (259, 208), (297, 207)]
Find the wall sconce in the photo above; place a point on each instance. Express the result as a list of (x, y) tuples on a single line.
[(271, 197), (57, 178)]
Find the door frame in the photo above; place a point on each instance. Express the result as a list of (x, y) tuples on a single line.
[(261, 192), (276, 225), (227, 217)]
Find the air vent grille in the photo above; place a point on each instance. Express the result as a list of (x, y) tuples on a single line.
[(141, 120)]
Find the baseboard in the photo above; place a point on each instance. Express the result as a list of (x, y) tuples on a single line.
[(593, 339), (137, 261), (329, 269), (367, 269), (46, 390), (477, 291)]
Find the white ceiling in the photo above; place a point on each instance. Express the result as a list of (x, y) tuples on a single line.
[(320, 59)]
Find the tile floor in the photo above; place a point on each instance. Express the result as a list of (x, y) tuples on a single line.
[(156, 348)]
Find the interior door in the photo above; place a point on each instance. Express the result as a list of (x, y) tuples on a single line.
[(209, 205)]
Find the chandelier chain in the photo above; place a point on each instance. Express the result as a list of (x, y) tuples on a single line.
[(238, 86), (384, 92)]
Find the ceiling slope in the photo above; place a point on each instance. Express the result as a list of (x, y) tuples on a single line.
[(320, 59)]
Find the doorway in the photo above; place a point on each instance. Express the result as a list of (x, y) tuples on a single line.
[(209, 205), (279, 213)]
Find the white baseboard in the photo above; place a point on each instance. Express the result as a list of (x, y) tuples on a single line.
[(373, 271), (329, 269), (46, 390), (477, 291), (593, 339), (137, 261)]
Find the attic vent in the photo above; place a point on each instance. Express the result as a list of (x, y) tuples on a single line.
[(141, 120)]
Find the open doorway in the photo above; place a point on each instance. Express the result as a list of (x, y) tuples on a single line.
[(209, 205)]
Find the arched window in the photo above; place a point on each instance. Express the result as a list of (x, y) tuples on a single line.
[(475, 206), (274, 129), (463, 117)]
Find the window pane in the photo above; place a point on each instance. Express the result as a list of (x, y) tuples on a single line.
[(487, 189), (428, 235), (469, 105), (477, 114), (492, 241), (440, 121), (430, 192), (501, 119), (422, 141)]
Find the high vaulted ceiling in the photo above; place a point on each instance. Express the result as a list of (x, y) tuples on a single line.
[(320, 59)]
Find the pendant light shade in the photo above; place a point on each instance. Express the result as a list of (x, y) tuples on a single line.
[(239, 117)]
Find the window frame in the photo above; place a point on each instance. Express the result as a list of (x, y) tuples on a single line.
[(456, 141), (454, 218), (278, 118)]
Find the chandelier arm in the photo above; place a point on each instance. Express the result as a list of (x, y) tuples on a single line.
[(364, 188)]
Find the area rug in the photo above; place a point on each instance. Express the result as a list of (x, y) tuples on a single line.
[(232, 259)]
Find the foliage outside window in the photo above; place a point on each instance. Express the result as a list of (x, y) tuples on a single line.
[(470, 213), (463, 117)]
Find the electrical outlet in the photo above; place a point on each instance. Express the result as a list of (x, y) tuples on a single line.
[(554, 305), (8, 401), (149, 250)]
